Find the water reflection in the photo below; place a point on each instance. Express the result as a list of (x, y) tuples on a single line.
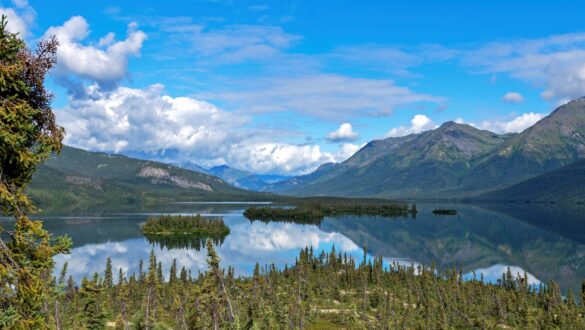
[(477, 238), (481, 239), (181, 242), (247, 244)]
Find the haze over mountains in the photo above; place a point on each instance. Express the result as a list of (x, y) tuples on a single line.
[(238, 178), (453, 161)]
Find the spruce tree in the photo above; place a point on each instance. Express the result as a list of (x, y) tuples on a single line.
[(108, 275), (93, 314), (28, 136)]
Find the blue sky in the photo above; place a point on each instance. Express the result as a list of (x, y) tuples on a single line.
[(281, 86)]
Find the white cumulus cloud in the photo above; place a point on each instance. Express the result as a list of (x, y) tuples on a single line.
[(271, 157), (20, 17), (344, 133), (345, 151), (151, 123), (278, 157), (105, 63), (515, 125), (128, 119), (513, 97), (418, 124)]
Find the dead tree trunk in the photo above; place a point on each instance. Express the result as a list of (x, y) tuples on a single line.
[(227, 297), (124, 320), (57, 319), (146, 325)]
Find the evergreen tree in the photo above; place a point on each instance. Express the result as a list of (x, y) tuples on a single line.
[(108, 275), (93, 314), (62, 275), (173, 273), (28, 136)]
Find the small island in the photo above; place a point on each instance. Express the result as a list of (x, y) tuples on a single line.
[(441, 211), (185, 226)]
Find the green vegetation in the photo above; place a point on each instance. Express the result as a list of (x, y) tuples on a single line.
[(297, 215), (28, 135), (441, 211), (565, 185), (83, 181), (326, 290), (313, 210), (186, 226)]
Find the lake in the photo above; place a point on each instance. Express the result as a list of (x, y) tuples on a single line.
[(546, 242)]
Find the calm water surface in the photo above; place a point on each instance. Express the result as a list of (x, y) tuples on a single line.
[(547, 243)]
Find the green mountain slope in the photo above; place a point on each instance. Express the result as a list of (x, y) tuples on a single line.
[(452, 161), (410, 166), (78, 179), (555, 141), (563, 185)]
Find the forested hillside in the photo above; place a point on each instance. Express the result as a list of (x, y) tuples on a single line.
[(81, 179), (563, 185)]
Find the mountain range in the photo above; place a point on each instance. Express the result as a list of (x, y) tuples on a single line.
[(454, 161), (451, 161), (236, 177), (77, 180)]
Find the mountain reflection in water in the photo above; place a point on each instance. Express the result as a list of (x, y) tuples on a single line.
[(548, 244)]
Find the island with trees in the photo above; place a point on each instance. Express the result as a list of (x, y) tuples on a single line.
[(185, 226)]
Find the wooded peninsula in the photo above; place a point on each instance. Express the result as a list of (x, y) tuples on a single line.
[(313, 210)]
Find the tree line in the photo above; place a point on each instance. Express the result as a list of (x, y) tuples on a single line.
[(313, 210), (326, 289)]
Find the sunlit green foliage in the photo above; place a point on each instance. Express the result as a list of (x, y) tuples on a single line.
[(321, 291)]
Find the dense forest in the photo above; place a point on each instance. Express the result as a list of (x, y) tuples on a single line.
[(320, 291)]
